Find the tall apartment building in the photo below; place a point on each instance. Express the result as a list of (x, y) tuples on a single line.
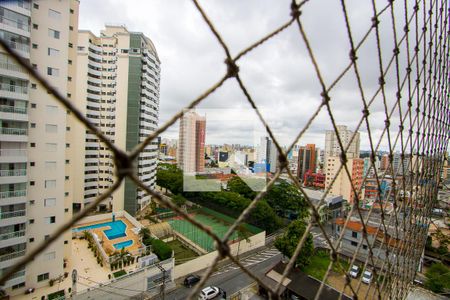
[(34, 188), (268, 153), (332, 147), (117, 78), (191, 143), (306, 160), (343, 184)]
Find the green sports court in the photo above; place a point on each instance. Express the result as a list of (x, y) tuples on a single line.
[(218, 223)]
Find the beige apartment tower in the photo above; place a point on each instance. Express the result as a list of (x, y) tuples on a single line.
[(191, 143), (35, 193), (332, 147), (117, 80), (343, 184)]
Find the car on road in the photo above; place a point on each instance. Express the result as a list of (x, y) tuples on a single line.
[(190, 280), (367, 277), (354, 271), (209, 292)]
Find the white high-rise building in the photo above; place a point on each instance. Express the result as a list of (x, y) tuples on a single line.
[(118, 75), (268, 153), (35, 198), (332, 147)]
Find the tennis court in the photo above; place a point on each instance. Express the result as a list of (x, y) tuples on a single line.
[(217, 222)]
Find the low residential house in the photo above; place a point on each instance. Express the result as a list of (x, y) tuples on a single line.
[(297, 285)]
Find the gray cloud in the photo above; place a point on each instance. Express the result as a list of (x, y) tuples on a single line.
[(279, 74)]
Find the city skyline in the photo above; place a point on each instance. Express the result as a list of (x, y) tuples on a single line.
[(284, 101)]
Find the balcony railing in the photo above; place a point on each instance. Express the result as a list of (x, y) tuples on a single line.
[(12, 214), (13, 88), (13, 152), (13, 194), (13, 131), (19, 46), (10, 66), (14, 23), (13, 109), (17, 172), (11, 235), (9, 256)]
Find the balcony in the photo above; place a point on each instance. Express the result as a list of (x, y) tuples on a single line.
[(11, 134), (8, 112), (22, 49), (13, 91), (17, 172), (11, 235), (9, 256), (12, 70), (13, 176), (15, 26), (12, 214), (13, 155), (13, 194)]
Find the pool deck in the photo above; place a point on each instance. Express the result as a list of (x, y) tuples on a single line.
[(108, 244)]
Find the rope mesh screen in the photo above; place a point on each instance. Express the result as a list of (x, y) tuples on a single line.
[(417, 66)]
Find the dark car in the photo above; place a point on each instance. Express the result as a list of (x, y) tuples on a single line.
[(190, 280)]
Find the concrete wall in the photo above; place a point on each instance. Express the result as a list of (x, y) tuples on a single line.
[(254, 242)]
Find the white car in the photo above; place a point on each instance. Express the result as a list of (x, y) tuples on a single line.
[(209, 292), (354, 271), (367, 277)]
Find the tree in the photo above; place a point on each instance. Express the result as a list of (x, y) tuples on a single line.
[(289, 240), (179, 200), (438, 278), (237, 185), (285, 199)]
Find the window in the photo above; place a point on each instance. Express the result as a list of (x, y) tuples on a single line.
[(43, 277), (53, 33), (354, 243), (365, 247), (32, 125), (66, 177), (32, 183), (33, 86), (53, 52), (50, 220), (32, 163), (34, 66), (18, 286), (46, 237), (31, 221), (35, 5), (35, 26), (33, 105), (49, 202), (50, 147), (67, 145), (71, 28), (50, 184), (67, 161), (68, 128), (51, 128), (69, 61), (54, 14), (52, 71), (66, 210), (50, 165), (70, 45), (354, 234), (71, 11), (124, 50), (31, 240), (66, 242), (34, 46), (51, 109), (31, 202), (32, 145), (66, 194), (69, 78), (49, 256), (68, 96)]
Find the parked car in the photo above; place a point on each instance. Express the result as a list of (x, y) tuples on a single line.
[(209, 292), (190, 280), (354, 271), (367, 277)]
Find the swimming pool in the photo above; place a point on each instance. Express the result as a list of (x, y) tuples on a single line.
[(123, 244), (117, 229)]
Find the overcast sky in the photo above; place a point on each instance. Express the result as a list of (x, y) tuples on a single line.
[(279, 74)]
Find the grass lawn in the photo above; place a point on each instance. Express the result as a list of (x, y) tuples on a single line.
[(319, 265), (182, 253)]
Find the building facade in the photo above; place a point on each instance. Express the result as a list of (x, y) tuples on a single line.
[(306, 160), (332, 147), (191, 143), (267, 154), (118, 75), (34, 188), (343, 184)]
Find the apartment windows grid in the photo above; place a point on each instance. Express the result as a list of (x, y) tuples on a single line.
[(42, 277)]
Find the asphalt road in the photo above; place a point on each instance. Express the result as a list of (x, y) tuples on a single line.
[(229, 278)]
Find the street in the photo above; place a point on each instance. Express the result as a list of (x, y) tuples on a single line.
[(232, 279)]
